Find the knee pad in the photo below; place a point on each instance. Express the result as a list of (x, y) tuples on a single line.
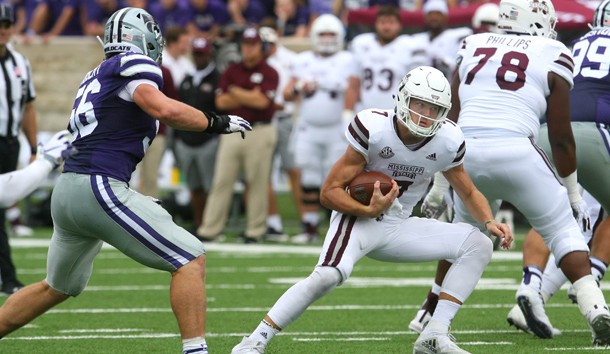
[(566, 241), (479, 245), (326, 279), (311, 195)]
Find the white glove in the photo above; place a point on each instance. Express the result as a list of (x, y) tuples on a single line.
[(57, 149), (226, 124), (579, 206), (395, 209), (581, 214), (434, 204)]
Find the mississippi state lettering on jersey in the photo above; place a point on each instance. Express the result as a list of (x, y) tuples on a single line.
[(331, 74), (373, 134), (112, 133), (442, 50), (504, 82), (590, 98), (381, 67)]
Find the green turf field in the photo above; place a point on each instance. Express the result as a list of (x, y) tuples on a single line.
[(125, 308)]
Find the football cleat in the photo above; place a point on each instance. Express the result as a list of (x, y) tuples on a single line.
[(515, 318), (249, 346), (599, 321), (273, 235), (437, 344), (532, 306), (309, 234)]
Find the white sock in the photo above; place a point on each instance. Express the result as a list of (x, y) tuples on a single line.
[(311, 217), (532, 278), (436, 289), (552, 280), (589, 294), (264, 332), (445, 312), (275, 222), (195, 345)]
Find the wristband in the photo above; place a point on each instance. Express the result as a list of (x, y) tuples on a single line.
[(571, 184), (34, 150), (488, 221)]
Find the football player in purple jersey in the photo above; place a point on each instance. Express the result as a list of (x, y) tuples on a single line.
[(114, 119)]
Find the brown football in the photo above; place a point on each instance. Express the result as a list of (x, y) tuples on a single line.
[(361, 188)]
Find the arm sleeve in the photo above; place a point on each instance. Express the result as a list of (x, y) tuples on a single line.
[(16, 185)]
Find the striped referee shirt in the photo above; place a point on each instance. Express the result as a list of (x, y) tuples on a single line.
[(16, 89)]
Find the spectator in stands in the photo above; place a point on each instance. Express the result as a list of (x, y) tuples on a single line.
[(196, 151), (292, 19), (247, 88), (247, 12), (440, 43), (52, 18), (140, 4), (21, 15), (282, 59), (177, 45), (170, 13), (207, 17), (97, 14), (149, 167), (319, 7)]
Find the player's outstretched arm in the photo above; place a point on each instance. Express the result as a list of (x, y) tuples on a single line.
[(477, 204), (181, 116)]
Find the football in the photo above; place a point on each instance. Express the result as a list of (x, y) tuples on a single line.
[(361, 188)]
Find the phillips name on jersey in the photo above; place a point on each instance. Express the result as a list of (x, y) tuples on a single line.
[(373, 134)]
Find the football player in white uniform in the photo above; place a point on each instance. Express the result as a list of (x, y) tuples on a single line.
[(324, 81), (16, 185), (409, 143), (383, 58), (505, 83), (439, 42)]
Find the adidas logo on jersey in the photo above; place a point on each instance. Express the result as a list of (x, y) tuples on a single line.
[(432, 156)]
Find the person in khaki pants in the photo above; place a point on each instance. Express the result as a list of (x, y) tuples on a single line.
[(246, 89)]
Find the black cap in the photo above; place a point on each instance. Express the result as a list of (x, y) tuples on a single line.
[(6, 13)]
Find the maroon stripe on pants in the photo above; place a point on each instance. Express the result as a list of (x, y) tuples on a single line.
[(333, 243), (348, 232)]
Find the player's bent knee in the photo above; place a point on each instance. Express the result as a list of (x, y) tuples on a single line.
[(196, 265), (326, 279), (479, 245)]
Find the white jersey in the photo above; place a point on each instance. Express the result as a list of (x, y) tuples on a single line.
[(373, 134), (381, 67), (282, 61), (504, 82), (331, 75), (442, 50)]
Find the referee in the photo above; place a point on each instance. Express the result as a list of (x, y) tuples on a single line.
[(16, 112)]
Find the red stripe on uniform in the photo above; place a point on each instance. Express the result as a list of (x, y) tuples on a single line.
[(348, 232)]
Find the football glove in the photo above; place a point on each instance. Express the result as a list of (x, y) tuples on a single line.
[(226, 124), (57, 149), (581, 214), (433, 208)]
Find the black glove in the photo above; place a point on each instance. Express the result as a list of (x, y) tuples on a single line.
[(226, 124)]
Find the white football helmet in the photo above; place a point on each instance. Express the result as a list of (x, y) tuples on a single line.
[(427, 84), (601, 17), (534, 17), (133, 30), (327, 24), (486, 16)]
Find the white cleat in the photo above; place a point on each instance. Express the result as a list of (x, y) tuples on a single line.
[(420, 321), (515, 318), (23, 231), (249, 346), (599, 321), (532, 307), (436, 344)]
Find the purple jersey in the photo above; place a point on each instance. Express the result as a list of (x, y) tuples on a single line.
[(112, 134), (590, 98), (56, 7)]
